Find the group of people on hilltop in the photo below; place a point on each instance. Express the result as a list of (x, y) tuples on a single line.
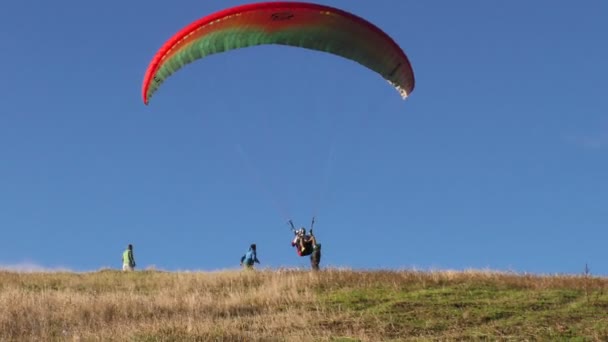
[(305, 244)]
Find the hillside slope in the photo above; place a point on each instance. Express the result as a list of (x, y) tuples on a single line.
[(331, 305)]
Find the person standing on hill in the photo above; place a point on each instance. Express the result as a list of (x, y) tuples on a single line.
[(315, 257), (128, 261), (250, 257)]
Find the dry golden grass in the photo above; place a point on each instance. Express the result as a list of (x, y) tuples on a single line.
[(300, 306)]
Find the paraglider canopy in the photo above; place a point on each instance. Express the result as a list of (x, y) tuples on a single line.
[(299, 24)]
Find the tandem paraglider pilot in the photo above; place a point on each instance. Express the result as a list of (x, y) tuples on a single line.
[(315, 257), (128, 261), (306, 244), (250, 257)]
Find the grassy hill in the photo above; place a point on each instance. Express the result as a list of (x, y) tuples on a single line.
[(331, 305)]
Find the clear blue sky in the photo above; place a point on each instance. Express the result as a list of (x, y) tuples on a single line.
[(499, 159)]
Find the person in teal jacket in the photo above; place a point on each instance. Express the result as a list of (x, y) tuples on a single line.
[(128, 261), (250, 257)]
